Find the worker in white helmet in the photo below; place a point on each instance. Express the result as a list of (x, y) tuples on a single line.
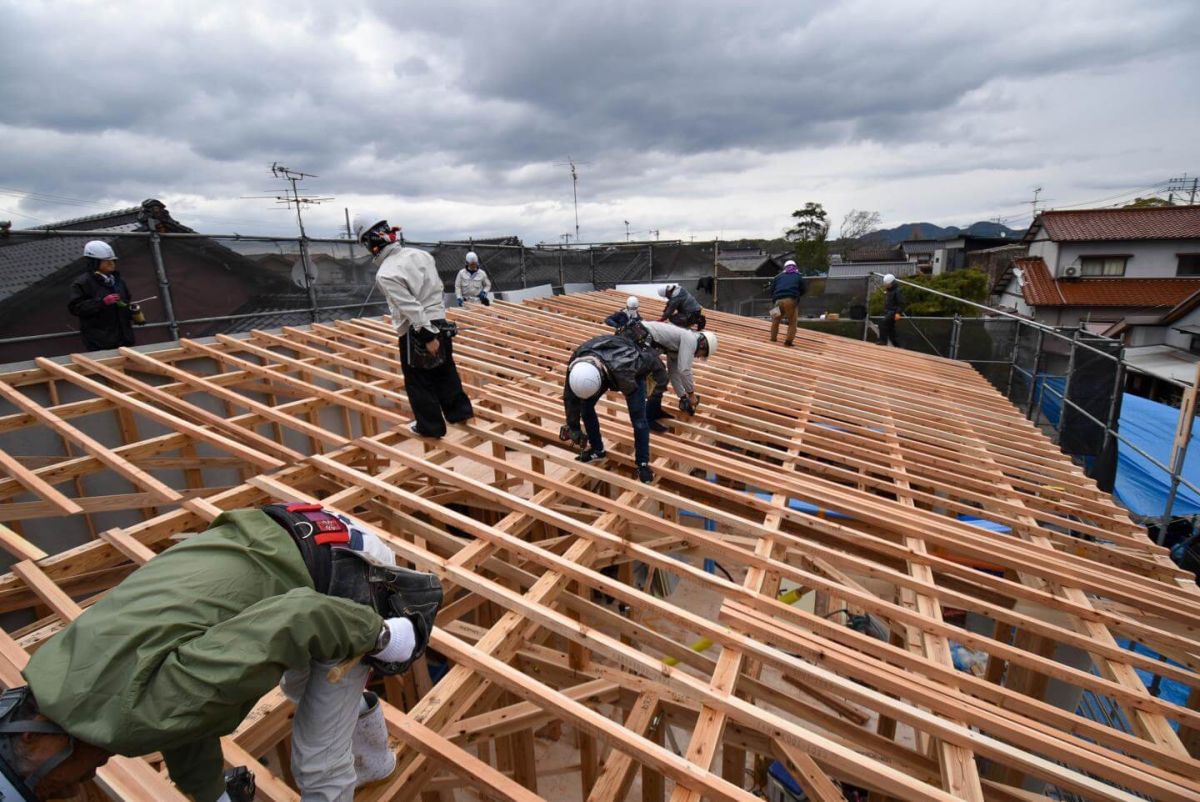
[(611, 362), (627, 321), (682, 347), (409, 281), (893, 308), (472, 283), (100, 299), (682, 308)]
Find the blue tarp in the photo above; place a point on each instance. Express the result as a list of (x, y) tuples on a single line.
[(1142, 487)]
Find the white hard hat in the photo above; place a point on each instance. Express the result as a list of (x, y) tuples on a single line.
[(889, 279), (472, 258), (790, 263), (584, 379), (666, 290), (99, 249), (632, 302), (711, 339), (364, 222)]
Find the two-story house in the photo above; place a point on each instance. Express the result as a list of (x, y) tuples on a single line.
[(1095, 267)]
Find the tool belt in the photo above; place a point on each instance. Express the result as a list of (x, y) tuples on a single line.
[(332, 553), (417, 356)]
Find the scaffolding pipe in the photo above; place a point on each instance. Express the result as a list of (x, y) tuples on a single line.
[(164, 286)]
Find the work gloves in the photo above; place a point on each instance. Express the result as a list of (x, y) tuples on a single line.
[(484, 299), (414, 598), (686, 404), (459, 300), (110, 299), (575, 436)]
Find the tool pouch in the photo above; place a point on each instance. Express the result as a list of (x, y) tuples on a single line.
[(239, 784), (418, 355)]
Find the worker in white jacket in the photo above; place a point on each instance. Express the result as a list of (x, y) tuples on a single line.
[(682, 347), (472, 283), (409, 281)]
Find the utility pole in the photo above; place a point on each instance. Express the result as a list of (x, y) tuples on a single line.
[(655, 232), (1182, 185), (566, 238), (349, 233), (627, 231)]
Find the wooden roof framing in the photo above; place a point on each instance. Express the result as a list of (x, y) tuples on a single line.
[(835, 467)]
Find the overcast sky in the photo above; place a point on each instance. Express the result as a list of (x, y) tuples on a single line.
[(696, 119)]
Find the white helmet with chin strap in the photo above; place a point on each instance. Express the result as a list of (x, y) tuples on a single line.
[(372, 231), (667, 290), (472, 259), (632, 302), (99, 249), (710, 340), (584, 378)]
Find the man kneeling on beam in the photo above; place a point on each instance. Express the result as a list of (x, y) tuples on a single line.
[(612, 362), (176, 655)]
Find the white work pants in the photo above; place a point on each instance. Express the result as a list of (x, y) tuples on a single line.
[(323, 730), (326, 714)]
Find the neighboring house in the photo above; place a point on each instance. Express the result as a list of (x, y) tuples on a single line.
[(206, 280), (1097, 267), (997, 264), (948, 255), (1162, 347), (850, 277)]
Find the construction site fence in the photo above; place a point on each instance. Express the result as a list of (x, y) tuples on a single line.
[(204, 284), (1035, 365), (197, 285)]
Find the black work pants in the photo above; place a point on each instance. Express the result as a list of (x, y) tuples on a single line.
[(887, 330), (436, 394)]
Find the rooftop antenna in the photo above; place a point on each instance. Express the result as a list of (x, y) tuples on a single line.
[(574, 188), (653, 231), (292, 196), (1036, 191)]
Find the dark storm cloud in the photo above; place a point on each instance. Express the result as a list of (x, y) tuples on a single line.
[(477, 101)]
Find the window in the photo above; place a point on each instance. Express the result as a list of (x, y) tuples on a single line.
[(1189, 264), (1102, 265)]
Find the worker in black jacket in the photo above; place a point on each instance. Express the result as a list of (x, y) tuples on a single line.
[(612, 362), (893, 307), (682, 308), (100, 299)]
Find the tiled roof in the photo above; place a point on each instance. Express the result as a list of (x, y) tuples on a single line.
[(1041, 289), (26, 262), (1091, 225)]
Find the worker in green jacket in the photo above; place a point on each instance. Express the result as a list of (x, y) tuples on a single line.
[(175, 656)]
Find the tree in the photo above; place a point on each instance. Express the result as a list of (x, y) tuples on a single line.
[(858, 223), (970, 285), (809, 233), (1147, 203)]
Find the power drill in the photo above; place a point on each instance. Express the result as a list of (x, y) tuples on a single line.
[(239, 784)]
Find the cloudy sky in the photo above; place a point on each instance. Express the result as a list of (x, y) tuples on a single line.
[(695, 119)]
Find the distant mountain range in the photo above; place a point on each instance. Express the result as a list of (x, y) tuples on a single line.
[(894, 236)]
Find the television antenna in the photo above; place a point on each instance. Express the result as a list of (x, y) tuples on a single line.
[(291, 196), (574, 187)]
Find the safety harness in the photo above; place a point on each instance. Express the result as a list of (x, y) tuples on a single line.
[(13, 704)]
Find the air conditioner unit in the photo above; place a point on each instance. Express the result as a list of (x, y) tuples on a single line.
[(1070, 271)]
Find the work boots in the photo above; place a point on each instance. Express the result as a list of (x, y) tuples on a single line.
[(373, 760), (645, 475)]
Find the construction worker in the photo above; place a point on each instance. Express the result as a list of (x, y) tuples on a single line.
[(628, 322), (786, 289), (472, 283), (682, 308), (100, 299), (409, 281), (612, 362), (176, 655), (893, 308), (682, 347)]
